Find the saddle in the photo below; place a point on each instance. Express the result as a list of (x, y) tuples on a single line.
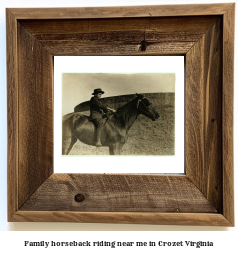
[(100, 121)]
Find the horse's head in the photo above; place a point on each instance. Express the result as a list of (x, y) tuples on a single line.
[(146, 108)]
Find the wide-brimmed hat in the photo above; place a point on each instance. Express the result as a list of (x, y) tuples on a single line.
[(98, 90)]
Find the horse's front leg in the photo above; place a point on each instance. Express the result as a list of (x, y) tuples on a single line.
[(111, 150), (120, 145), (115, 149)]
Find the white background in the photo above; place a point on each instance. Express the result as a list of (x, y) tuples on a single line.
[(139, 164), (13, 241)]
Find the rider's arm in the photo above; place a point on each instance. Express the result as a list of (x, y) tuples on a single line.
[(99, 104)]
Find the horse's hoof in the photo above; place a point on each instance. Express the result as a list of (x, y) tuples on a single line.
[(98, 145)]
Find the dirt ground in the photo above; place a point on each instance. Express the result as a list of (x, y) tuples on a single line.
[(146, 137)]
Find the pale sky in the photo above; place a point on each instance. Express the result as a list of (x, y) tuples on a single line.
[(78, 87)]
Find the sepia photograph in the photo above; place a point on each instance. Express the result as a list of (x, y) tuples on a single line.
[(118, 114), (128, 107)]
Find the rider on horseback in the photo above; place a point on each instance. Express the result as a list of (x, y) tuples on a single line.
[(97, 109)]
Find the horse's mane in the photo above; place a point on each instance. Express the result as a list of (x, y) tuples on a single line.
[(124, 112), (131, 103), (128, 105)]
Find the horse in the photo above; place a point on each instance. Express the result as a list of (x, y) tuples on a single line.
[(76, 126)]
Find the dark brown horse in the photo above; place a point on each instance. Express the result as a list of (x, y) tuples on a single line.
[(114, 133)]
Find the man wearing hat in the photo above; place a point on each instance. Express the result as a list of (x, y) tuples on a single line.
[(97, 109)]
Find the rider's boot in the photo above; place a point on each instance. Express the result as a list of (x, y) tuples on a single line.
[(98, 136)]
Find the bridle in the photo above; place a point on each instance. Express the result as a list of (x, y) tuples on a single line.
[(139, 108), (147, 111), (139, 102)]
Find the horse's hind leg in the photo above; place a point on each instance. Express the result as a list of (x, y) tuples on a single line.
[(67, 148)]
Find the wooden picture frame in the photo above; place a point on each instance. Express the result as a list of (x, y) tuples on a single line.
[(204, 34)]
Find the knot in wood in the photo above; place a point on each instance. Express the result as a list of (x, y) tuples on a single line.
[(143, 45), (79, 198)]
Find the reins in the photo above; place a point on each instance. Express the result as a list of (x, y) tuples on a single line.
[(137, 106)]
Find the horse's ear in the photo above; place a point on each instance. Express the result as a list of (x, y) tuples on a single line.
[(140, 96)]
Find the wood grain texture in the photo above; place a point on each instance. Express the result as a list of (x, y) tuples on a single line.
[(115, 49), (48, 29), (227, 113), (12, 116), (141, 193), (120, 12), (119, 36), (192, 219), (203, 115), (35, 115)]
